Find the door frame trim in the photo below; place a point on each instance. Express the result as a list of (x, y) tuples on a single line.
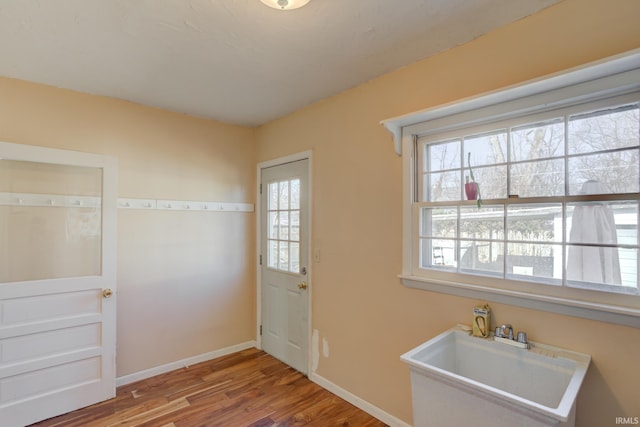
[(304, 155)]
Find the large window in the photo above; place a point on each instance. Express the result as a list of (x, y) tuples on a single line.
[(553, 224), (559, 198)]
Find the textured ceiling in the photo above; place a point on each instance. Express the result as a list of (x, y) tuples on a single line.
[(235, 61)]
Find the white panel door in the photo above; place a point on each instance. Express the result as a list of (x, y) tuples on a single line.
[(284, 282), (57, 282)]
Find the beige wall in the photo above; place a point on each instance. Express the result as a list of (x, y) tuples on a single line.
[(185, 279), (359, 306)]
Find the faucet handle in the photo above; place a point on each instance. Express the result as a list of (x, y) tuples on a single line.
[(522, 337)]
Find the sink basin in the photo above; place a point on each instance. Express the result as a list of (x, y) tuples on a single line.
[(458, 380)]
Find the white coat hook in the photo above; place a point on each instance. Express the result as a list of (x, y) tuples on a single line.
[(176, 205)]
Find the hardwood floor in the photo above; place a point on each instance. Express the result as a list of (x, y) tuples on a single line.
[(248, 388)]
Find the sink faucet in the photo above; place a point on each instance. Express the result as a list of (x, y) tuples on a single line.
[(505, 332)]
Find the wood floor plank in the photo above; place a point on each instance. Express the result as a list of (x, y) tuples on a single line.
[(245, 389)]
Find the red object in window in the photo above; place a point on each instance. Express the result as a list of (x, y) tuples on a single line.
[(471, 190)]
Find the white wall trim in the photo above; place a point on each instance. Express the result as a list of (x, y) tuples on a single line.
[(184, 363), (560, 82), (360, 403), (609, 313)]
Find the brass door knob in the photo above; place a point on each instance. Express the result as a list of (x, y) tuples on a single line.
[(107, 293), (302, 285)]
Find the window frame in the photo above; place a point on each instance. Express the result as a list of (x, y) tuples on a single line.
[(617, 77)]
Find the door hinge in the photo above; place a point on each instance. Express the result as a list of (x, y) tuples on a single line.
[(260, 259), (260, 330), (260, 188)]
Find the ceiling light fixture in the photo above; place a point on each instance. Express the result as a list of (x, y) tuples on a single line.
[(285, 4)]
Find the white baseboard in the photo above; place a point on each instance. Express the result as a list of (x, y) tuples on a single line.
[(369, 408), (148, 373)]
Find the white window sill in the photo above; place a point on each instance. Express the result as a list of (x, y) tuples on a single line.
[(589, 310)]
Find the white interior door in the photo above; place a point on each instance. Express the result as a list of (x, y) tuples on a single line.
[(284, 280), (57, 282)]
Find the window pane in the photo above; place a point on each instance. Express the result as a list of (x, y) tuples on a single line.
[(486, 223), (534, 262), (492, 181), (593, 264), (629, 267), (284, 195), (484, 257), (44, 236), (604, 130), (593, 231), (535, 223), (442, 156), (273, 225), (439, 253), (616, 172), (439, 222), (294, 256), (284, 226), (486, 149), (272, 262), (283, 260), (273, 196), (443, 186), (538, 179), (295, 226), (538, 141), (295, 194), (602, 223)]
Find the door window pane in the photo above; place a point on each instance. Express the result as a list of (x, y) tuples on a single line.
[(284, 226), (50, 221)]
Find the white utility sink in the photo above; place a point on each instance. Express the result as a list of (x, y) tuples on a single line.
[(460, 380)]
